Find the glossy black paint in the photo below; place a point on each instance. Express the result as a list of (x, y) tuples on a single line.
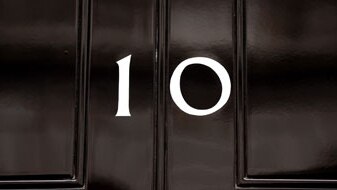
[(59, 87), (122, 147), (289, 93), (37, 87), (200, 150), (42, 94)]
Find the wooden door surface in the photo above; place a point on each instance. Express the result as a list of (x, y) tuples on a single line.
[(89, 97)]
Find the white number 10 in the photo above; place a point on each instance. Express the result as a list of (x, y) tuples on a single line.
[(175, 90)]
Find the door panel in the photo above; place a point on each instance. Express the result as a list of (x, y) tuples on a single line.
[(200, 148), (39, 95), (290, 87), (33, 85), (122, 147)]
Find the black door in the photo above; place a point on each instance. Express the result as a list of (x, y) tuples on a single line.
[(89, 97)]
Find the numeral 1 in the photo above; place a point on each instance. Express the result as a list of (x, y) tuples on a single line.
[(124, 86)]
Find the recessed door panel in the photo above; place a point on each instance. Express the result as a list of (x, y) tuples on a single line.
[(121, 147), (37, 86), (41, 93), (200, 148), (290, 88)]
